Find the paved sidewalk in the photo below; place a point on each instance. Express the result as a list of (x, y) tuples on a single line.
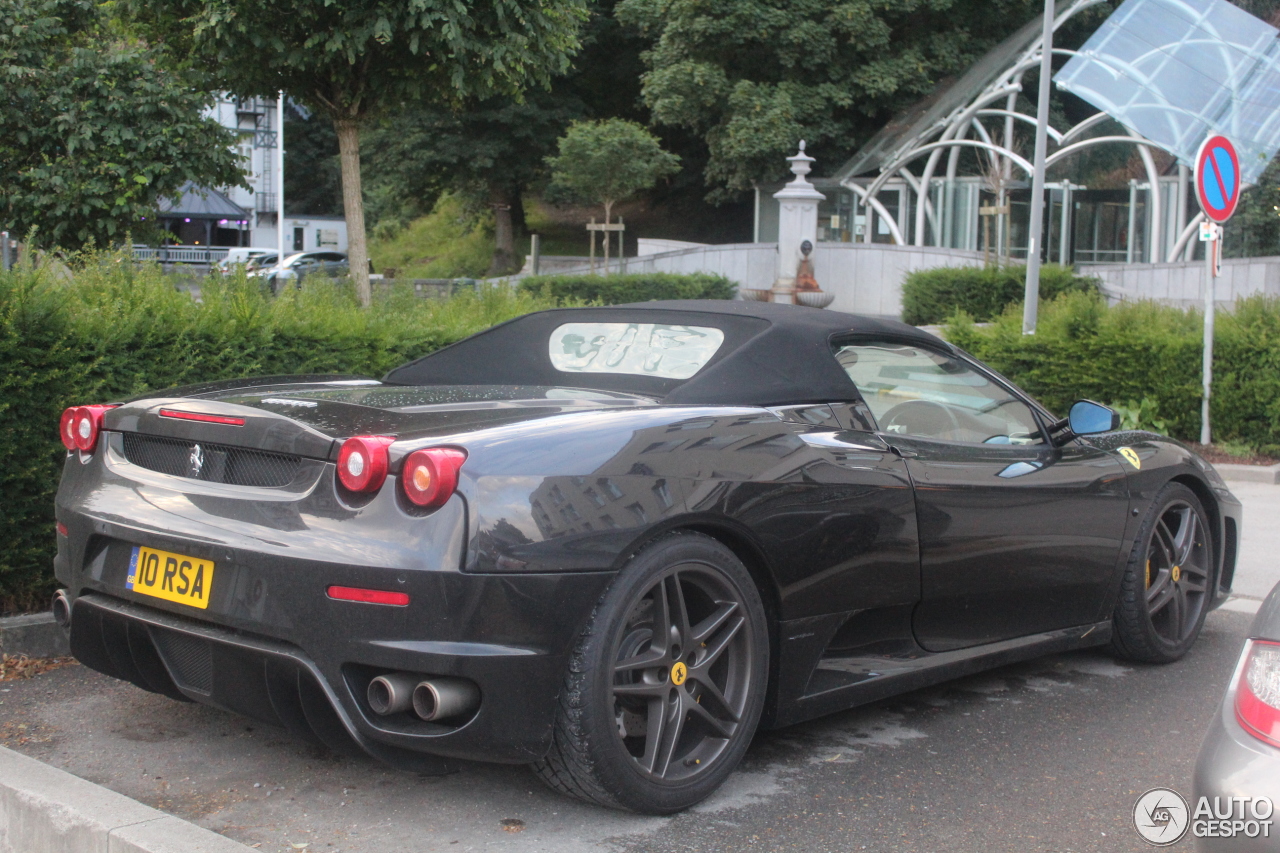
[(1258, 566)]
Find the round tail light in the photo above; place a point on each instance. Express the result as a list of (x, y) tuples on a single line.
[(80, 425), (362, 462), (67, 428), (430, 477)]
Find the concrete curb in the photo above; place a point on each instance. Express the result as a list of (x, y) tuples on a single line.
[(46, 810), (35, 635), (1250, 473)]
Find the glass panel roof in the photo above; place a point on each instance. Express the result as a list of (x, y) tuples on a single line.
[(1179, 71), (949, 96)]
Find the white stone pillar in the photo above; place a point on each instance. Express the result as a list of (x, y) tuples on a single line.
[(797, 222)]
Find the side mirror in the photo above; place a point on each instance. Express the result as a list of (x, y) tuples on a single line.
[(1088, 418)]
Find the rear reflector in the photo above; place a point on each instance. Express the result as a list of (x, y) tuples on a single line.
[(1258, 693), (204, 419), (62, 529), (368, 596)]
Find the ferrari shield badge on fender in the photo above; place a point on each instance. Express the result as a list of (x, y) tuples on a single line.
[(1131, 456)]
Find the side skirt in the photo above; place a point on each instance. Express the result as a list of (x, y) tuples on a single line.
[(876, 678)]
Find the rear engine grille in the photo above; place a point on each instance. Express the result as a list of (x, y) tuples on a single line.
[(214, 463)]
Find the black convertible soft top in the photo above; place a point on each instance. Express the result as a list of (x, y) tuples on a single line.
[(772, 354)]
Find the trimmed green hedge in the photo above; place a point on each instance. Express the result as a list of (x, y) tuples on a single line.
[(1143, 352), (931, 296), (109, 330), (620, 289)]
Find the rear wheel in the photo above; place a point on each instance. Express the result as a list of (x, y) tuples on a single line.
[(666, 684), (1165, 592)]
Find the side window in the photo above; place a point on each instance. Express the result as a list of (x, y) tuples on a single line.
[(914, 391)]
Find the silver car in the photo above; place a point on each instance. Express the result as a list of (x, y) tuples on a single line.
[(1240, 757)]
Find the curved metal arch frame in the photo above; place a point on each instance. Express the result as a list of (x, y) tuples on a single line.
[(949, 134)]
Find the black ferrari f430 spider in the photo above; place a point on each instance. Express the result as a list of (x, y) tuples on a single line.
[(612, 543)]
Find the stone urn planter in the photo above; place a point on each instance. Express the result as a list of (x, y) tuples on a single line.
[(752, 295), (814, 298)]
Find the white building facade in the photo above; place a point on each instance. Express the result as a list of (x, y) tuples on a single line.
[(257, 124)]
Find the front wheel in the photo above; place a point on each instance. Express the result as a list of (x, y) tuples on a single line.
[(1164, 595), (667, 683)]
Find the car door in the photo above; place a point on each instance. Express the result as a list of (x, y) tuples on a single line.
[(1017, 536)]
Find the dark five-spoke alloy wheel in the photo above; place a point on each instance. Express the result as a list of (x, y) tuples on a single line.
[(1166, 585), (667, 683)]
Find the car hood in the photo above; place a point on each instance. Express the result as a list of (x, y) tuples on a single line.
[(309, 416)]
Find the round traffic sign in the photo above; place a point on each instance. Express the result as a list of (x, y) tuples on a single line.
[(1218, 178)]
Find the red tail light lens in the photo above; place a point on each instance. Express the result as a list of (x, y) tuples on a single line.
[(79, 427), (430, 477), (1258, 693), (368, 596), (67, 428), (362, 462)]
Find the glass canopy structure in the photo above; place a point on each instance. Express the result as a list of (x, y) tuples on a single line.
[(907, 178), (1180, 71)]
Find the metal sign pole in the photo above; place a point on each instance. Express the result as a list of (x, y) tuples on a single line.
[(1210, 306), (279, 166), (1218, 186)]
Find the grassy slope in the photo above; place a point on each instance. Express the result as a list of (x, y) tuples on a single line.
[(442, 244)]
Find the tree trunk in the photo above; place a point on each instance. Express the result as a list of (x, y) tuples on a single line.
[(504, 238), (348, 131)]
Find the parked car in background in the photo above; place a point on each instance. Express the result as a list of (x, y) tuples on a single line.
[(247, 256), (1240, 757), (298, 266)]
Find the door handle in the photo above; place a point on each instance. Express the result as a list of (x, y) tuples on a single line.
[(903, 454)]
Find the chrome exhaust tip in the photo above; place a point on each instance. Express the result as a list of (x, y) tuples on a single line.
[(442, 698), (391, 693), (61, 609)]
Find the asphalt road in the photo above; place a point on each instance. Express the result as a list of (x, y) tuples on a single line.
[(1048, 755)]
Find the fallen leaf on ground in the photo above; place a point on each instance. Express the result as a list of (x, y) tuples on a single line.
[(13, 667)]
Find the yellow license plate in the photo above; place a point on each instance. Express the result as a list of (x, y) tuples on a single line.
[(173, 577)]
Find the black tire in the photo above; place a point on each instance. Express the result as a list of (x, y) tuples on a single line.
[(1165, 592), (654, 721)]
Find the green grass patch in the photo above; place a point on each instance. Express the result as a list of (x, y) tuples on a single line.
[(449, 242)]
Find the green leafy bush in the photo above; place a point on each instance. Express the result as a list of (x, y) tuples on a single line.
[(1143, 352), (110, 330), (931, 296), (620, 289)]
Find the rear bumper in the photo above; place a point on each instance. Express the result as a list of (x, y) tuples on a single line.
[(1233, 764), (323, 701), (273, 646)]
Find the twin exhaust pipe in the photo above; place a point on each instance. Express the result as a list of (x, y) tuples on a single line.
[(430, 699)]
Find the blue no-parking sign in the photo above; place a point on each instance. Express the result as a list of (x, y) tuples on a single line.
[(1218, 178)]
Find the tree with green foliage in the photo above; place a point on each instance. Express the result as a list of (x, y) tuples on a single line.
[(491, 152), (95, 130), (481, 152), (752, 77), (605, 162), (351, 61)]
